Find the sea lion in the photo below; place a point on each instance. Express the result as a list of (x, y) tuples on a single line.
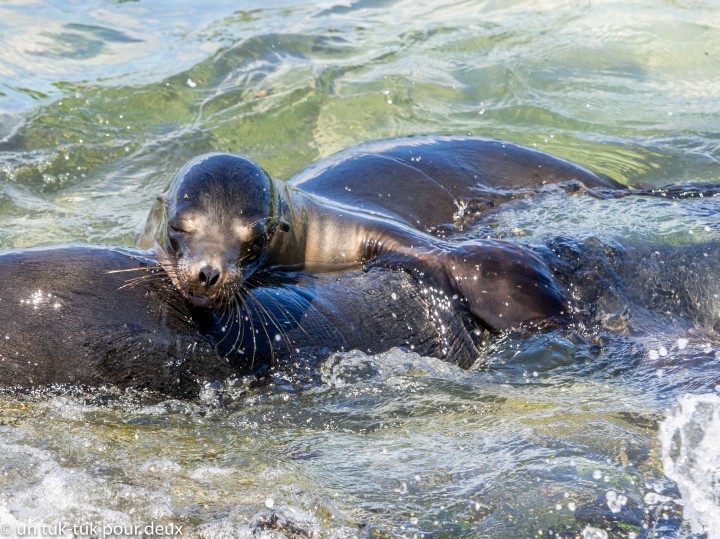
[(224, 222), (90, 316)]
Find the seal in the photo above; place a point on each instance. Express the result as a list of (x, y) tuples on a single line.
[(89, 316), (224, 225)]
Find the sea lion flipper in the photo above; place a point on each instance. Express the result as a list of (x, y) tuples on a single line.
[(503, 284), (146, 239)]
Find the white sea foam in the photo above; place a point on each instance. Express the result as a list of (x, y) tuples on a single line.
[(690, 436)]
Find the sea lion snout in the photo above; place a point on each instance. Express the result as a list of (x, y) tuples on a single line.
[(209, 276), (204, 281)]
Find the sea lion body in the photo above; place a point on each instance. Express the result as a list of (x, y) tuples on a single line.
[(224, 220), (92, 316), (82, 315), (435, 183), (78, 316)]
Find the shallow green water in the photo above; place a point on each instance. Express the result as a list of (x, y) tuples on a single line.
[(101, 102)]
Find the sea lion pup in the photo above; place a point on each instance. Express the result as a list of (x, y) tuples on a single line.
[(224, 225)]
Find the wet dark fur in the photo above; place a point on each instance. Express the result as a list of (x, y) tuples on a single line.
[(102, 325), (391, 204), (114, 318)]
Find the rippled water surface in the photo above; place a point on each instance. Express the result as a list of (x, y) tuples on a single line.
[(551, 434)]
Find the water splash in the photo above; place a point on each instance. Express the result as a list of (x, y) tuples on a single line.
[(690, 437)]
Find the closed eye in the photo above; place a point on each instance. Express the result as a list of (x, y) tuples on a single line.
[(180, 227)]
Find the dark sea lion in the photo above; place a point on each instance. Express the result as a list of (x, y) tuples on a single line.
[(96, 316), (91, 316), (223, 222)]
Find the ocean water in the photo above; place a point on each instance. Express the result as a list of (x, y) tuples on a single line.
[(607, 432)]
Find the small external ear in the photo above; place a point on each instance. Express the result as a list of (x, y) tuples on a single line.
[(283, 224), (162, 199)]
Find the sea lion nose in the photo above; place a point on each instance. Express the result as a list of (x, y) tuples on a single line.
[(209, 276)]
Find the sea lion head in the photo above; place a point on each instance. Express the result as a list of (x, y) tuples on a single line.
[(216, 222)]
